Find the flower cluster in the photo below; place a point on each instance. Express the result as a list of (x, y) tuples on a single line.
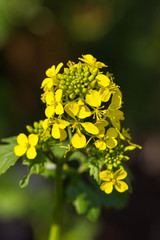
[(82, 103)]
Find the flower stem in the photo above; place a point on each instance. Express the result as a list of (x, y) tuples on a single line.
[(55, 230)]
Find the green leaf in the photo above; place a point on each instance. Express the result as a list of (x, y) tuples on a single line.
[(7, 155), (84, 199), (95, 166), (36, 166), (81, 203)]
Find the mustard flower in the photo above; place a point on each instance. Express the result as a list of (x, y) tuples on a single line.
[(26, 145), (58, 131), (51, 73), (109, 139), (113, 179), (54, 103), (90, 60)]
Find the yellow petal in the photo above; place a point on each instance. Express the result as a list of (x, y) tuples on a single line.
[(59, 109), (112, 132), (103, 80), (111, 142), (84, 112), (116, 123), (31, 153), (63, 135), (58, 67), (101, 126), (19, 150), (107, 187), (121, 186), (50, 98), (33, 139), (58, 95), (50, 111), (120, 174), (78, 140), (105, 94), (116, 100), (119, 115), (56, 131), (22, 139), (90, 128), (88, 58), (45, 124), (51, 71), (106, 175), (45, 82), (100, 145), (72, 109), (93, 98), (62, 124)]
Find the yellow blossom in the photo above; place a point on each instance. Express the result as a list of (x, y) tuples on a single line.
[(54, 104), (108, 140), (26, 145), (77, 109), (90, 60), (58, 131), (51, 73), (113, 179)]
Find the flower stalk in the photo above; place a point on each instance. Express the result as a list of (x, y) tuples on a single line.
[(55, 230)]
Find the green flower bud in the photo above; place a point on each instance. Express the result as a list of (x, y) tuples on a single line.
[(66, 71), (91, 78), (109, 166), (36, 125), (29, 129), (94, 72), (72, 96)]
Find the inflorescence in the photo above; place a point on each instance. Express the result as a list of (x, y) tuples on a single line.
[(82, 104)]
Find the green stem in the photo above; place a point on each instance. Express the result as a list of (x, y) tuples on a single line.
[(55, 230), (69, 133)]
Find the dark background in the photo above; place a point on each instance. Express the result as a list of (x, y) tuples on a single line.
[(125, 35)]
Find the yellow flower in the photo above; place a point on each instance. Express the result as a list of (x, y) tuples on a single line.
[(26, 145), (54, 104), (90, 60), (77, 109), (79, 139), (51, 74), (109, 140), (58, 131), (113, 179), (101, 124), (93, 98), (115, 116), (111, 134)]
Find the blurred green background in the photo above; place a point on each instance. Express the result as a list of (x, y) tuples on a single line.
[(35, 34)]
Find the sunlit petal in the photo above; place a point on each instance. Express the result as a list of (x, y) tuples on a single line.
[(106, 175), (19, 150), (33, 139), (22, 139), (121, 186), (107, 187), (31, 153)]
